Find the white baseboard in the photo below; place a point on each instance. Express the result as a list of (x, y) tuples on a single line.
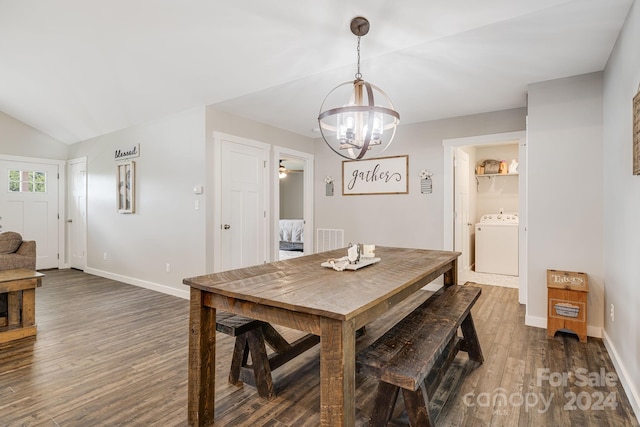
[(629, 387), (184, 294), (537, 322), (594, 331), (541, 322)]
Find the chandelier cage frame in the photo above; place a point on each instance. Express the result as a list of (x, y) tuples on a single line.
[(361, 126)]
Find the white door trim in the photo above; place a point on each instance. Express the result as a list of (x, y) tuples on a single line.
[(217, 190), (62, 194), (449, 148), (279, 152)]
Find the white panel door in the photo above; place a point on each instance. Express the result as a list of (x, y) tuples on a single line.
[(462, 232), (29, 206), (243, 210), (77, 220)]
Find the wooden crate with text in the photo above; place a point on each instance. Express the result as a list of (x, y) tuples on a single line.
[(567, 302)]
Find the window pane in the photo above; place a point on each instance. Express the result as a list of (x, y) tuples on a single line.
[(27, 181)]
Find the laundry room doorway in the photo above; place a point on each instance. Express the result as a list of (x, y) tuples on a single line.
[(471, 195)]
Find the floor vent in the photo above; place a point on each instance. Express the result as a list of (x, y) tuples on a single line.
[(328, 239)]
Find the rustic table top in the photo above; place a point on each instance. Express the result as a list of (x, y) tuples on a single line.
[(18, 274), (303, 285)]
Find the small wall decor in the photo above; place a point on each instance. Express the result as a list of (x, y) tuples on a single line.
[(426, 184), (328, 187), (384, 175), (636, 133), (126, 181), (127, 153)]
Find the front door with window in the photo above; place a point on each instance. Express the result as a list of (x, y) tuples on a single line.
[(29, 206)]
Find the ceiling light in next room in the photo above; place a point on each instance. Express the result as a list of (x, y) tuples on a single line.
[(282, 171)]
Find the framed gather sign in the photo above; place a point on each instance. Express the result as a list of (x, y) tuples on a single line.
[(384, 175)]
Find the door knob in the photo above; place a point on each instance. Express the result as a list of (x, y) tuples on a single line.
[(69, 220), (226, 226)]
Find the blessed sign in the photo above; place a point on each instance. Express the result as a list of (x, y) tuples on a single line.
[(384, 175), (127, 153)]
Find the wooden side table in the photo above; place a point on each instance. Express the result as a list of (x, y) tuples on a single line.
[(20, 286), (567, 302)]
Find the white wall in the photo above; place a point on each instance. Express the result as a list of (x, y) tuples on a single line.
[(19, 139), (175, 155), (622, 207), (408, 220), (165, 227), (291, 196), (565, 194)]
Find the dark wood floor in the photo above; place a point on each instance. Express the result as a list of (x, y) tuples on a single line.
[(110, 354)]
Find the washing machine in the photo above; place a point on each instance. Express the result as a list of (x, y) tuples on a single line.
[(497, 244)]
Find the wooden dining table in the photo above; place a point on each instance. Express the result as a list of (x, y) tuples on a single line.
[(301, 294)]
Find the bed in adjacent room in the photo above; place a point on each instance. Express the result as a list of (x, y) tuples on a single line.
[(291, 238)]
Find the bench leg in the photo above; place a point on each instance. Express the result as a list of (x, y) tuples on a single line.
[(274, 339), (260, 362), (471, 342), (239, 359), (385, 401), (416, 404)]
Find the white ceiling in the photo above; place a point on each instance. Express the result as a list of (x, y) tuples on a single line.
[(76, 69)]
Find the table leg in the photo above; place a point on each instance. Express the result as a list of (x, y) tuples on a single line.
[(202, 361), (451, 276), (337, 373), (28, 307), (13, 308)]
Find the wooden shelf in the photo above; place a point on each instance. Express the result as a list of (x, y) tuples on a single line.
[(489, 175)]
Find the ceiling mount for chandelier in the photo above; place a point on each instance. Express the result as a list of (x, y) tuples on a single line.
[(357, 118)]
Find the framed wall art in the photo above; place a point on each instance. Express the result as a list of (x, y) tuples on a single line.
[(636, 133), (384, 175), (126, 180)]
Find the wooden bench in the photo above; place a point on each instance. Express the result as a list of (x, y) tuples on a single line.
[(252, 337), (413, 355)]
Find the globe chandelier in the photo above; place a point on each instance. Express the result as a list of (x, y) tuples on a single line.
[(357, 118)]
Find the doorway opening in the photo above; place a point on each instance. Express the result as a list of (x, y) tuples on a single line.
[(485, 213), (292, 204)]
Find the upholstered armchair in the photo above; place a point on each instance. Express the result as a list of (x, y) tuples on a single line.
[(15, 253)]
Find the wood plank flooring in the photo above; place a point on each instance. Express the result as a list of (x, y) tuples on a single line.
[(111, 354)]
